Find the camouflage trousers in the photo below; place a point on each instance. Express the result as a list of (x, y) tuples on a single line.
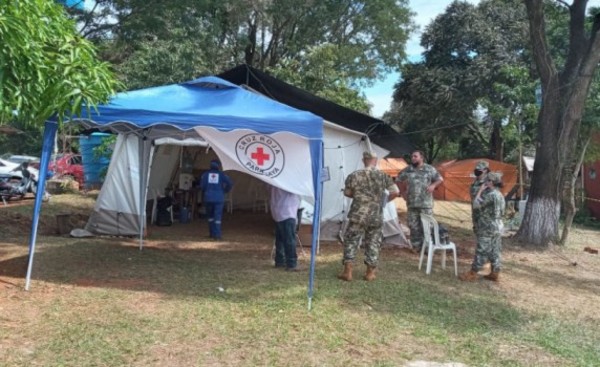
[(416, 227), (488, 249), (474, 215), (371, 236)]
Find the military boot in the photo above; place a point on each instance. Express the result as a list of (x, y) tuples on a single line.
[(494, 276), (469, 276), (347, 273), (370, 274)]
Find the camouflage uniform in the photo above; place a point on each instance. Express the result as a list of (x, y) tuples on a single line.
[(481, 165), (365, 218), (418, 200), (489, 225)]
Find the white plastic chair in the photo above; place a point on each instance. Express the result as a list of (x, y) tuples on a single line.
[(261, 199), (433, 244)]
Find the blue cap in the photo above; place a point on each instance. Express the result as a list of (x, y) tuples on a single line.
[(215, 164)]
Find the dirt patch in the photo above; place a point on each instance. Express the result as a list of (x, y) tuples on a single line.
[(113, 283)]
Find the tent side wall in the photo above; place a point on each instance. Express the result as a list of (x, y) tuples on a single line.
[(115, 212), (458, 177), (117, 209)]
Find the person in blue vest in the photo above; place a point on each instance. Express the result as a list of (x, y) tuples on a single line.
[(214, 184)]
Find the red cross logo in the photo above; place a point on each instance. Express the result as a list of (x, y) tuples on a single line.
[(260, 156)]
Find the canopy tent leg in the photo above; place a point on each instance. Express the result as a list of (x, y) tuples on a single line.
[(316, 147), (50, 129), (144, 160)]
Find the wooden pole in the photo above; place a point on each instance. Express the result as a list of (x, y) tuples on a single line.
[(520, 163)]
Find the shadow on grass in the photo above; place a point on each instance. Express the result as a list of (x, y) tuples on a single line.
[(546, 277), (441, 299), (246, 273)]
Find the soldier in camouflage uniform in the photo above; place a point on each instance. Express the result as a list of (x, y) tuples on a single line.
[(367, 188), (422, 179), (481, 170), (490, 203)]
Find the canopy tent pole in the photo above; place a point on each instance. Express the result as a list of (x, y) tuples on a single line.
[(144, 171), (316, 147), (50, 129)]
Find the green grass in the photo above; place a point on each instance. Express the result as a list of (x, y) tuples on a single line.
[(157, 306), (102, 302)]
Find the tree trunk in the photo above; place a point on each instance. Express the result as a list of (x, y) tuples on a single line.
[(496, 142), (569, 208), (569, 194), (564, 96), (540, 221)]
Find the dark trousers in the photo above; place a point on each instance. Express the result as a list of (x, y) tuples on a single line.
[(214, 212), (285, 243)]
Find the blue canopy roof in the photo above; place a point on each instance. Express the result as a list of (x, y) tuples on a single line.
[(175, 110), (208, 101)]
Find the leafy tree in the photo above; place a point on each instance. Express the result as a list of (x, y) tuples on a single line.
[(45, 66), (336, 44), (26, 142), (474, 55), (317, 73), (565, 87)]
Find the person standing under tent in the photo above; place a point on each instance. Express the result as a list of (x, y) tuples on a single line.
[(214, 184), (284, 209), (482, 168), (490, 203), (370, 190), (422, 179)]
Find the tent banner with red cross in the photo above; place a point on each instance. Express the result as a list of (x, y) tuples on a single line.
[(280, 159)]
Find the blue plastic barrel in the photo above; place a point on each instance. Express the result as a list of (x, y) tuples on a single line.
[(184, 215), (92, 166)]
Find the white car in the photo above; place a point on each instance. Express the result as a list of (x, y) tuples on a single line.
[(8, 168)]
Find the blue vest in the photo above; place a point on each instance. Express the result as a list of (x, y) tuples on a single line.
[(214, 185)]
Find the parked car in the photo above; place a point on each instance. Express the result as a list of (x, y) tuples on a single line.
[(8, 168), (67, 165), (33, 161)]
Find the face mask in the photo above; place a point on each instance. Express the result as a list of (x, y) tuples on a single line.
[(477, 172)]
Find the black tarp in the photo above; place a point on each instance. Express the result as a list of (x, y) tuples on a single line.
[(378, 131)]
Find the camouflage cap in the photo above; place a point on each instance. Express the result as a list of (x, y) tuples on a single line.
[(369, 154), (494, 177), (481, 165)]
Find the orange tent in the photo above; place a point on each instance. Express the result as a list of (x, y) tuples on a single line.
[(392, 166), (458, 177)]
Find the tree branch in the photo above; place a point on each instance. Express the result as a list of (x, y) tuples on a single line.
[(543, 59), (578, 42), (592, 57)]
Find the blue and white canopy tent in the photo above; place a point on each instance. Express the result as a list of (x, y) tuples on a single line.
[(270, 141)]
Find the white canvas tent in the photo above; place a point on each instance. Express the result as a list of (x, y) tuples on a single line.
[(342, 155), (273, 142)]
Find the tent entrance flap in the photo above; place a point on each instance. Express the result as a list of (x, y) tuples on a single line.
[(119, 207)]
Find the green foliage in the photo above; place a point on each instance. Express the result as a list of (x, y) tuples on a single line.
[(318, 73), (45, 67), (28, 142), (584, 217), (105, 150), (468, 71), (336, 44), (163, 62)]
